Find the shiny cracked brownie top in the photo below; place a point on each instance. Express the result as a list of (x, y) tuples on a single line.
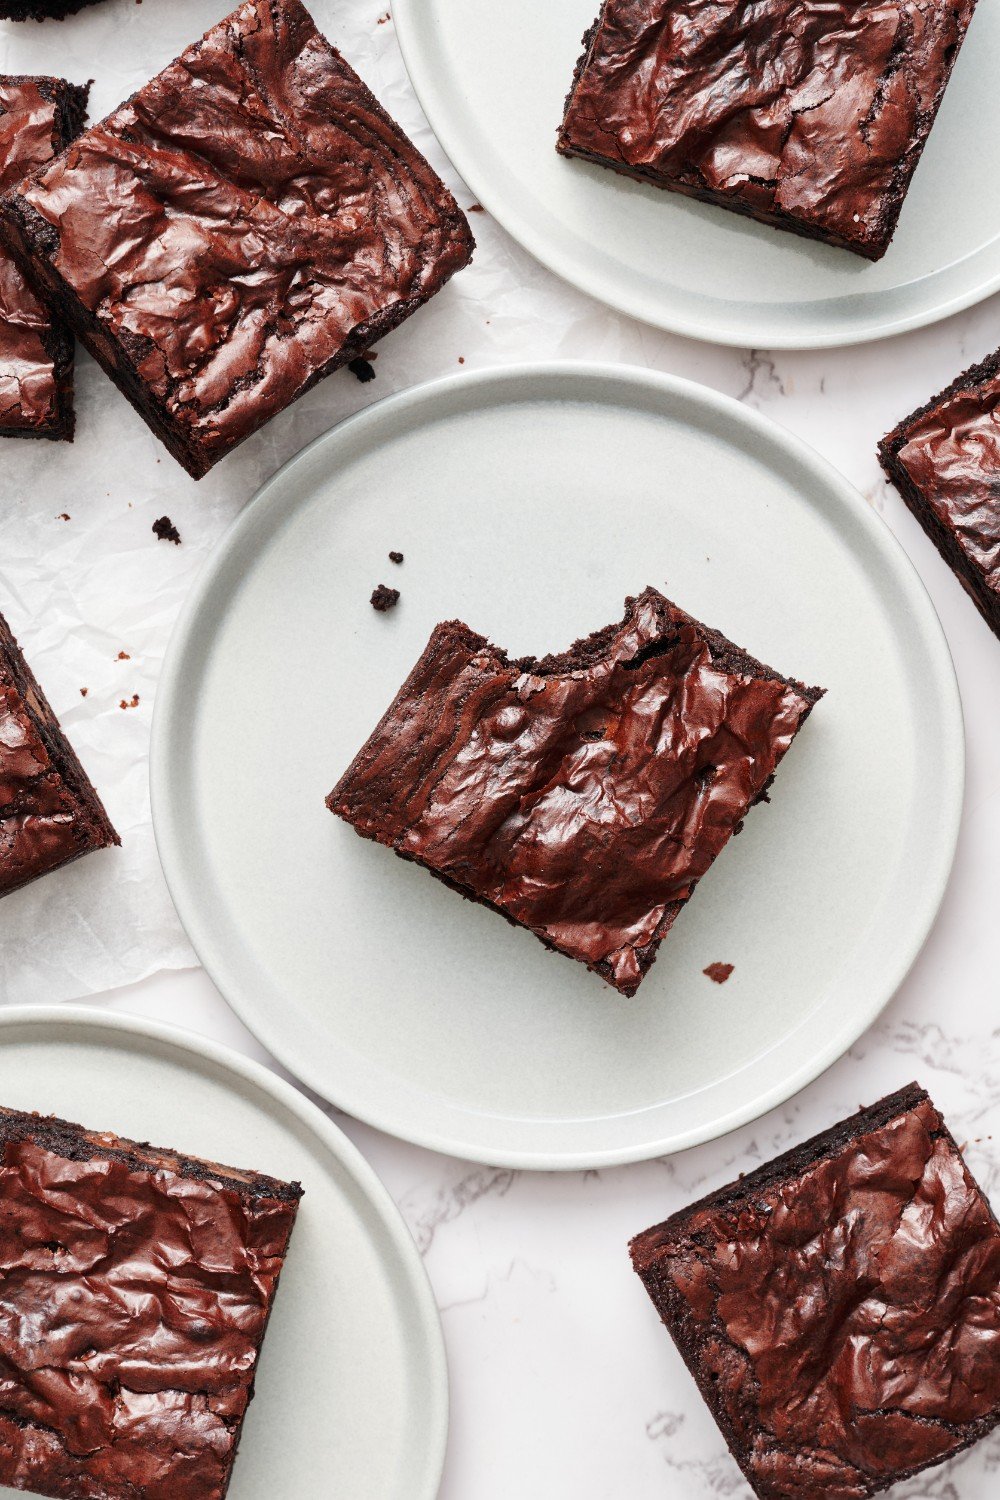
[(840, 1311), (583, 796), (231, 226), (134, 1294), (815, 110)]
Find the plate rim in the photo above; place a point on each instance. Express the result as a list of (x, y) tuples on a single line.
[(761, 336), (168, 709), (435, 1388)]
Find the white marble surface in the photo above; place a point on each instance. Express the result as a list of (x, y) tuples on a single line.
[(564, 1386)]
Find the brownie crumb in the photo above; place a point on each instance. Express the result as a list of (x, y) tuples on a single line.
[(396, 557), (123, 656), (384, 598), (363, 369), (132, 702), (166, 531), (719, 973), (476, 208), (63, 517), (84, 692)]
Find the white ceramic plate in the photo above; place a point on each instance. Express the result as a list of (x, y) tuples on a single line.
[(493, 79), (352, 1393), (529, 502)]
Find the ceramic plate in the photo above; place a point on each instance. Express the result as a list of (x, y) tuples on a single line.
[(529, 502), (352, 1393), (493, 79)]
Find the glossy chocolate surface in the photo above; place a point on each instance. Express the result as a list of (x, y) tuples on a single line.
[(807, 113), (30, 135), (247, 221), (49, 812), (840, 1308), (950, 454), (583, 796), (133, 1300)]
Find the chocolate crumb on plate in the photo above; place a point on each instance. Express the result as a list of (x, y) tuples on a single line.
[(396, 557), (719, 973), (384, 598)]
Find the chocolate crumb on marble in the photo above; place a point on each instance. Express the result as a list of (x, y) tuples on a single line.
[(384, 598), (165, 530)]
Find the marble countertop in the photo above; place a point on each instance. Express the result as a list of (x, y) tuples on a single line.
[(563, 1383)]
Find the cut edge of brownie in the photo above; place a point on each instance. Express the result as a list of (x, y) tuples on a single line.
[(584, 652), (100, 831), (33, 240), (644, 1251), (41, 10), (76, 1143), (71, 103), (875, 243), (889, 451)]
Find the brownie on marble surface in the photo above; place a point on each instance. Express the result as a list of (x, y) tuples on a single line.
[(945, 462), (135, 1290), (582, 796), (839, 1307), (808, 115), (38, 117), (246, 223), (50, 812)]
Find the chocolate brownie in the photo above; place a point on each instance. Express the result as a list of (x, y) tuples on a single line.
[(945, 462), (135, 1290), (41, 10), (49, 811), (839, 1308), (249, 221), (582, 796), (38, 117), (809, 115)]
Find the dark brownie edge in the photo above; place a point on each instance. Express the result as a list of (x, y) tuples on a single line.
[(41, 10), (76, 1143), (943, 538), (101, 832), (872, 247), (672, 1307), (71, 104)]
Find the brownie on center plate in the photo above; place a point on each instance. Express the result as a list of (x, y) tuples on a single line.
[(809, 115), (135, 1290), (945, 462), (839, 1308), (581, 796), (249, 221), (38, 117), (49, 811)]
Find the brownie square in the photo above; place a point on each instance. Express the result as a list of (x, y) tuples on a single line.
[(135, 1290), (50, 813), (839, 1308), (38, 117), (248, 222), (806, 115), (582, 796), (40, 10), (945, 462)]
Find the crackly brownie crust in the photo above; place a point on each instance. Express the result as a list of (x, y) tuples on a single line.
[(50, 813), (248, 222), (39, 116), (582, 795), (944, 459), (148, 1278), (802, 114), (839, 1307)]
